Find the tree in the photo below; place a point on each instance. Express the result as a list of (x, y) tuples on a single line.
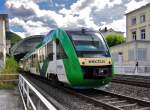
[(12, 37), (114, 39)]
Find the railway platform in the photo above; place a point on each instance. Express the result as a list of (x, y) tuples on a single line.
[(10, 100)]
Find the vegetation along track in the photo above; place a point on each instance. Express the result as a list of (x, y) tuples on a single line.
[(135, 80), (89, 99)]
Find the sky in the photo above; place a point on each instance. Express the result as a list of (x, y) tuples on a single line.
[(34, 17)]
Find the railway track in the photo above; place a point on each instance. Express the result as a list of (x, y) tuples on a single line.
[(93, 99), (117, 101), (133, 77), (135, 80)]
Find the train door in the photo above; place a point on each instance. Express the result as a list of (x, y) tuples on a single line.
[(54, 56), (60, 56), (51, 50)]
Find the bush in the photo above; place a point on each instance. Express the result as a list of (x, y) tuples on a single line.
[(11, 66), (114, 39)]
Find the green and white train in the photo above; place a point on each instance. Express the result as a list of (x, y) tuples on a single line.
[(78, 58)]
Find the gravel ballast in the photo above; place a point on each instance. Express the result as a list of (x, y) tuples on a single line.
[(129, 90)]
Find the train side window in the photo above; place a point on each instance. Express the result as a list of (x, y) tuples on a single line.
[(40, 55), (60, 53), (50, 51), (34, 60)]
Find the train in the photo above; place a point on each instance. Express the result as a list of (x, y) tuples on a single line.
[(79, 58)]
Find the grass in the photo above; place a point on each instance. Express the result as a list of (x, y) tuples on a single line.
[(11, 67), (4, 85)]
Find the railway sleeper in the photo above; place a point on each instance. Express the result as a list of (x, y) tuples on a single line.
[(128, 106), (140, 107), (133, 108), (120, 103), (109, 99), (144, 108), (101, 96), (87, 107), (98, 96)]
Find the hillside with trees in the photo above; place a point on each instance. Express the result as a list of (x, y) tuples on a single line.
[(12, 37)]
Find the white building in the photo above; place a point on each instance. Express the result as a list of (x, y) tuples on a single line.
[(107, 31), (135, 52)]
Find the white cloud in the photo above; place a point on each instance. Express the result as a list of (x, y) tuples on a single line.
[(84, 9), (21, 34), (79, 15), (30, 27), (132, 5), (118, 25), (100, 4), (81, 7), (18, 3)]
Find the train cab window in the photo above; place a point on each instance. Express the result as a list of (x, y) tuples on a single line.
[(60, 53), (90, 45), (50, 51)]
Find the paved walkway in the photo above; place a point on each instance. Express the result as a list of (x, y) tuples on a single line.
[(10, 100)]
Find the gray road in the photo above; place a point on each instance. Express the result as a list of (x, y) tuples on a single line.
[(10, 100)]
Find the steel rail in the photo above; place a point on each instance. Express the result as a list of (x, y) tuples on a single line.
[(139, 81)]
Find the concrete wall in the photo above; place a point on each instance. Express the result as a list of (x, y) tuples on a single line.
[(132, 46), (2, 41)]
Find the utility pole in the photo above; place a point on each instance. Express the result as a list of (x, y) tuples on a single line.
[(3, 28), (136, 58)]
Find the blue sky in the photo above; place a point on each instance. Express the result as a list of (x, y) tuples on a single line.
[(2, 6), (31, 17)]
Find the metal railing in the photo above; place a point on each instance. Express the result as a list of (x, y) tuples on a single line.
[(139, 70), (25, 88)]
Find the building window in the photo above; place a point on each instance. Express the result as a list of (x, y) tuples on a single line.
[(142, 54), (131, 55), (134, 35), (142, 19), (143, 34), (133, 21)]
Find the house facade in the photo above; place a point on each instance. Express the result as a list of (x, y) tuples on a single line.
[(106, 31), (138, 24), (136, 51)]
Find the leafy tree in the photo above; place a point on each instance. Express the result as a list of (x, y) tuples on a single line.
[(114, 39), (12, 37)]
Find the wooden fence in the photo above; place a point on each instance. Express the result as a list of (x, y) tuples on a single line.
[(9, 78)]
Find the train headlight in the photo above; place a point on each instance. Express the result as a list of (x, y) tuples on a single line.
[(101, 71)]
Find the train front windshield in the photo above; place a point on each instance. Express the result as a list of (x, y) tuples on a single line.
[(90, 45)]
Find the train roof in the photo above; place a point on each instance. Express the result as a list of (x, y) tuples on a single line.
[(49, 37)]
